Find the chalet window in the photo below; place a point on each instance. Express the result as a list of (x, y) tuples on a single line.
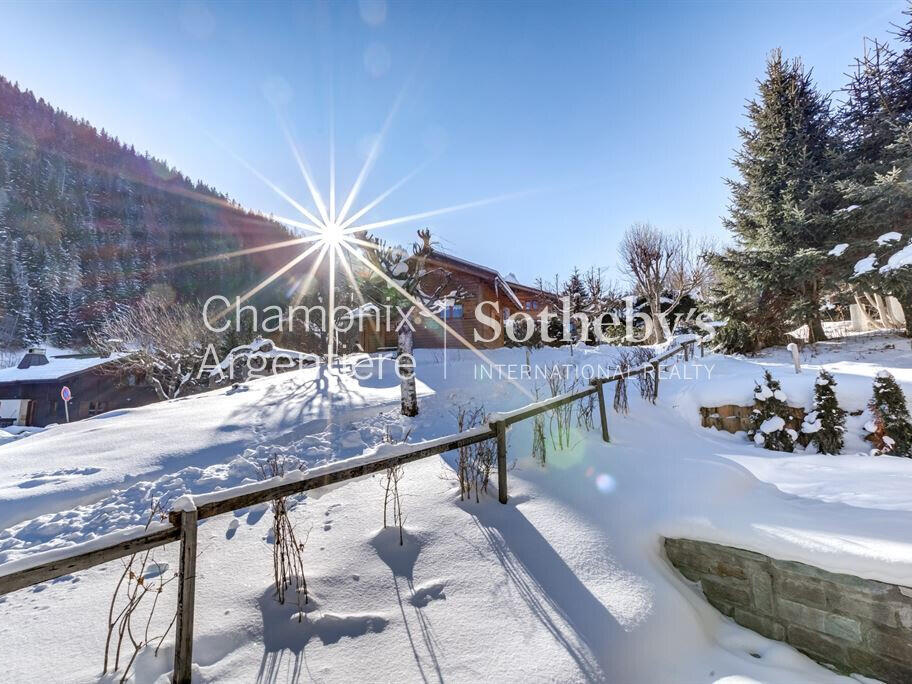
[(96, 407), (531, 304), (453, 311)]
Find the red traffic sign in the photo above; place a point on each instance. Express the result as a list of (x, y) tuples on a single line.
[(65, 393)]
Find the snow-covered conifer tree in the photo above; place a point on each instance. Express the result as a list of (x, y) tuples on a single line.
[(575, 290), (769, 417), (826, 422), (781, 209), (891, 424)]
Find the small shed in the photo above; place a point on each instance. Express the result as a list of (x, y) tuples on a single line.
[(30, 391)]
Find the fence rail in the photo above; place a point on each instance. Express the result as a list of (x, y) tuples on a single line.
[(182, 523)]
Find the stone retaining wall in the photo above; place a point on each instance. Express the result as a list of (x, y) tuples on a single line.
[(733, 418), (855, 625)]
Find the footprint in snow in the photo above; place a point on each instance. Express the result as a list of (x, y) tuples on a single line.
[(155, 570), (426, 593), (256, 513), (327, 526)]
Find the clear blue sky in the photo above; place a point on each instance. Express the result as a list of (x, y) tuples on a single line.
[(611, 112)]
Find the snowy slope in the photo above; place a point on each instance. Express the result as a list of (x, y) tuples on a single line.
[(80, 462), (567, 582)]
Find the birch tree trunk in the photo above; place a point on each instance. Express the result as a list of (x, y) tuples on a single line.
[(905, 300), (884, 312), (863, 313), (405, 366)]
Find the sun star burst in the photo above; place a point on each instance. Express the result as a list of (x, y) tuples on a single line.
[(335, 235)]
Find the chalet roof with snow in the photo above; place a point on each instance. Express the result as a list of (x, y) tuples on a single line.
[(36, 366), (500, 283)]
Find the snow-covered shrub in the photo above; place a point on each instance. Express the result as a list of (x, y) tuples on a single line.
[(891, 426), (770, 414), (735, 337), (825, 424)]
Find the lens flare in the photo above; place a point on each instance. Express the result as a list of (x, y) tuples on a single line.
[(605, 483), (338, 236)]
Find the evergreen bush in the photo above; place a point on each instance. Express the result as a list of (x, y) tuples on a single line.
[(769, 417), (891, 426), (825, 424)]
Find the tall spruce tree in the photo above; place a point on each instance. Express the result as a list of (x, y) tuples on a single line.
[(876, 126), (891, 425), (825, 424), (781, 211)]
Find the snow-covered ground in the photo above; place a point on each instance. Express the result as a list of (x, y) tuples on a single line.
[(567, 582), (854, 477)]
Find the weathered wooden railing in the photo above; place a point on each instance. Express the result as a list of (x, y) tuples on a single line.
[(189, 510)]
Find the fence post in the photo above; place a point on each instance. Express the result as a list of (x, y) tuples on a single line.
[(600, 386), (186, 590), (701, 348), (655, 366), (687, 351), (500, 427)]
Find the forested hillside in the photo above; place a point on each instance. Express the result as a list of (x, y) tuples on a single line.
[(87, 224)]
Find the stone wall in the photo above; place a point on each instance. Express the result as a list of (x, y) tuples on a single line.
[(733, 418), (855, 625)]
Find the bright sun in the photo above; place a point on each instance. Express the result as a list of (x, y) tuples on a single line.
[(333, 233)]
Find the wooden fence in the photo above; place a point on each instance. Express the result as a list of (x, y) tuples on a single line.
[(183, 520)]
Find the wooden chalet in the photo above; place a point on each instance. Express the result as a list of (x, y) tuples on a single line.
[(30, 391), (480, 283)]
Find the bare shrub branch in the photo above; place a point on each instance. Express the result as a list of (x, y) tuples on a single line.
[(561, 417), (287, 551), (476, 461), (133, 587), (166, 341)]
